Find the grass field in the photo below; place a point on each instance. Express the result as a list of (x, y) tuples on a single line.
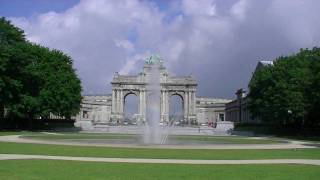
[(64, 150), (6, 133), (105, 136), (54, 169), (50, 169)]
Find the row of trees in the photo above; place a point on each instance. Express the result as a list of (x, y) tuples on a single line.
[(34, 80), (288, 92)]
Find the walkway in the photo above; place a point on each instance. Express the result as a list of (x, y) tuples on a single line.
[(160, 161), (290, 145)]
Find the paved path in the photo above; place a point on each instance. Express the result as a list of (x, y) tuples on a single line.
[(290, 145), (161, 161)]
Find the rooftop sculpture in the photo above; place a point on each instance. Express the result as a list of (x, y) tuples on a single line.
[(154, 59)]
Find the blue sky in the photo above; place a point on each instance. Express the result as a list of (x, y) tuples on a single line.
[(219, 42), (29, 8)]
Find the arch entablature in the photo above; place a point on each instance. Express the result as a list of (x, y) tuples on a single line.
[(128, 92), (178, 93)]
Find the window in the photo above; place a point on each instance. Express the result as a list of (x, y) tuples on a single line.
[(85, 114), (221, 117)]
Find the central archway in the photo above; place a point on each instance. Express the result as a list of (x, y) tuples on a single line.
[(176, 110), (131, 109)]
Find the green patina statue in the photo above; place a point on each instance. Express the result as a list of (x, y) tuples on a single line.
[(154, 59)]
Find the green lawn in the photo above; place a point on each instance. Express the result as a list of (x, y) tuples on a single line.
[(227, 139), (6, 133), (199, 139), (51, 169), (64, 150), (79, 136)]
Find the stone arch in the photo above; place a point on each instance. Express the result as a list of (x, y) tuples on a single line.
[(184, 86), (176, 118), (130, 118), (126, 93)]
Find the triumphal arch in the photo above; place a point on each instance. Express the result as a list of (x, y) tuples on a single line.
[(108, 109), (123, 85)]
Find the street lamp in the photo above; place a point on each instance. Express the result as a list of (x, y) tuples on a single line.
[(289, 114)]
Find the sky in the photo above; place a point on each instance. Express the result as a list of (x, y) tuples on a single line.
[(219, 42)]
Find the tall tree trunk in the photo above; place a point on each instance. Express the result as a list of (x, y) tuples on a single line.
[(30, 120), (1, 116), (1, 111)]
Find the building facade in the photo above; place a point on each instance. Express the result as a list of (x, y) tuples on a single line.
[(109, 109), (238, 109)]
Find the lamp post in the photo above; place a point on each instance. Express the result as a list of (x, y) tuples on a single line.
[(289, 114)]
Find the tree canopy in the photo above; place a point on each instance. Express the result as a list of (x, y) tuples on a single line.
[(288, 91), (34, 80)]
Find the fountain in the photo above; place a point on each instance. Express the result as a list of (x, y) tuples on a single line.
[(153, 132)]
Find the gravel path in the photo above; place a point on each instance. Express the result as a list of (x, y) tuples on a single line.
[(161, 161), (290, 145)]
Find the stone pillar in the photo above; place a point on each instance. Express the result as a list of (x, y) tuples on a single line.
[(192, 103), (189, 107), (140, 105), (121, 103), (118, 102), (162, 106), (114, 108), (143, 105), (113, 101), (186, 107), (166, 104)]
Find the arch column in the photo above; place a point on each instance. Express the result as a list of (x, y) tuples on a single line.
[(192, 106), (164, 106), (144, 101), (118, 102), (121, 110), (115, 105), (141, 106), (186, 107)]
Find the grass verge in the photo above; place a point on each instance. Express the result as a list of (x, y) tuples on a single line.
[(86, 151), (52, 169), (105, 136)]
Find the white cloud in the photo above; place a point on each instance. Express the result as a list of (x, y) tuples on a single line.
[(196, 7), (218, 42), (239, 9), (127, 45)]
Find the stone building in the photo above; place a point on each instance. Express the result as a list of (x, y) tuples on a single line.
[(237, 110), (210, 110), (109, 109)]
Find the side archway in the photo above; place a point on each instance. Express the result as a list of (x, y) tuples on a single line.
[(176, 109), (131, 108)]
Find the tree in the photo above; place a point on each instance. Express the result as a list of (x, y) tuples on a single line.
[(36, 81), (259, 91), (313, 93), (60, 93), (9, 34), (287, 91), (10, 38)]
